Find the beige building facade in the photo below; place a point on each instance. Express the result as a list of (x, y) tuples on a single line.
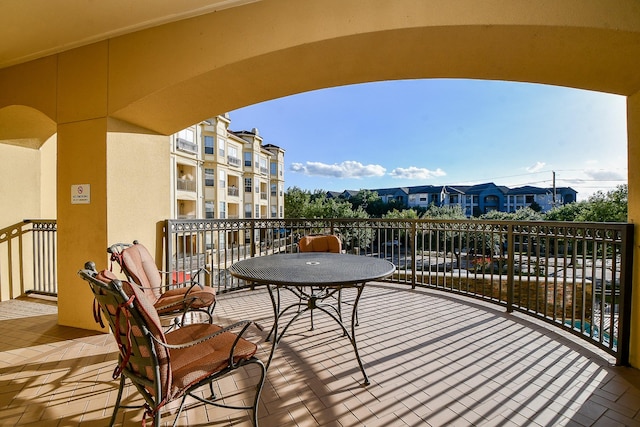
[(218, 173), (111, 92)]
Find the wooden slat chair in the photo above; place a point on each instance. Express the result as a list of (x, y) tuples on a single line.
[(165, 367), (323, 243), (176, 299)]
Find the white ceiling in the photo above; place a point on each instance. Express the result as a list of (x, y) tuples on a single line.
[(31, 29)]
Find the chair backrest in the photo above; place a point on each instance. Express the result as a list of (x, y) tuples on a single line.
[(320, 243), (133, 321), (139, 266)]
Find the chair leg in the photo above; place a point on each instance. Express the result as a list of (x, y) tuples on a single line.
[(175, 421), (256, 399), (213, 393), (118, 399)]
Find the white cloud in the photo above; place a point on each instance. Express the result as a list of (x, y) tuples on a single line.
[(346, 169), (605, 175), (535, 168), (413, 172)]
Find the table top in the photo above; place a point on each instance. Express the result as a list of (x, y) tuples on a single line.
[(312, 268)]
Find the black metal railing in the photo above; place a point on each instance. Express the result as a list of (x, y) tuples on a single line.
[(28, 259), (574, 275)]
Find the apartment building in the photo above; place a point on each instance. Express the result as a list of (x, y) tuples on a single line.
[(224, 174), (474, 199)]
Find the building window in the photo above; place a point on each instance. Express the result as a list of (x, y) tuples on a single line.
[(281, 189), (274, 169), (247, 159), (209, 177), (208, 145), (209, 209), (453, 198), (274, 190), (247, 186), (222, 175), (221, 146), (257, 211), (274, 212), (263, 165), (223, 210), (186, 134), (247, 210), (281, 169)]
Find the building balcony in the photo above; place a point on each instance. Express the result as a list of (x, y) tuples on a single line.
[(234, 161), (464, 333), (432, 359), (184, 145), (186, 185)]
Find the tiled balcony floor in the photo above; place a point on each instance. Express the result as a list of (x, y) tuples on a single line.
[(433, 360)]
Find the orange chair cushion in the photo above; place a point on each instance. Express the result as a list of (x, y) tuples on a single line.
[(324, 243)]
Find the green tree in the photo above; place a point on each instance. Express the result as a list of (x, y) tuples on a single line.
[(522, 214), (364, 198), (608, 207), (567, 212), (444, 212), (296, 201), (600, 207), (403, 214)]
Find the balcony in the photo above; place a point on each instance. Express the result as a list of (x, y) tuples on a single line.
[(234, 161), (432, 358), (184, 145), (473, 332), (186, 184)]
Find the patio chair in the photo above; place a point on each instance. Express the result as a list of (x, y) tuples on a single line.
[(165, 367), (323, 243), (176, 299), (320, 243)]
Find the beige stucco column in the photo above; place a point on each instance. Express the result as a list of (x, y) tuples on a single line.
[(122, 172), (633, 126)]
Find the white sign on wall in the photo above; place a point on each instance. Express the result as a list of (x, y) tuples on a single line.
[(80, 194)]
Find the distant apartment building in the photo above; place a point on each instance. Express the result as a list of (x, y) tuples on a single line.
[(473, 199), (224, 174)]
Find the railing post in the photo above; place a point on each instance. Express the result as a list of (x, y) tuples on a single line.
[(253, 238), (414, 251), (168, 236), (510, 267), (626, 285)]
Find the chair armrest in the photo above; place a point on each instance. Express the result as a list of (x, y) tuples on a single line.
[(200, 340)]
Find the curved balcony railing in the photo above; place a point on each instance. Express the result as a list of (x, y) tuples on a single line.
[(575, 276)]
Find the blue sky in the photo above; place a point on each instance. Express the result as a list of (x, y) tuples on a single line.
[(445, 132)]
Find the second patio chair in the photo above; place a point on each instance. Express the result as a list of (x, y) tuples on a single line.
[(323, 243), (176, 299), (165, 367)]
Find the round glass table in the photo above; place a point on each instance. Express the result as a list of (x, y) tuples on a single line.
[(317, 279)]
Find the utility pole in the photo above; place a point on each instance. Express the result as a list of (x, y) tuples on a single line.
[(554, 189)]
